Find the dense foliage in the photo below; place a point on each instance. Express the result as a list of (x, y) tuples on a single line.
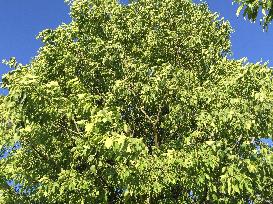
[(251, 9), (137, 103)]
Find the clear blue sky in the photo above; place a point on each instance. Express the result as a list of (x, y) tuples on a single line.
[(21, 21), (248, 40)]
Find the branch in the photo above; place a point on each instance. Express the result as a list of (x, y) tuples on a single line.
[(41, 155), (154, 123), (77, 128), (44, 157), (146, 115), (238, 142)]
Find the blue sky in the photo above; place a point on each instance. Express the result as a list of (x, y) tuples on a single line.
[(248, 40), (21, 21)]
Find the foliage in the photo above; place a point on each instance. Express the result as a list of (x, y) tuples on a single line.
[(251, 9), (137, 103)]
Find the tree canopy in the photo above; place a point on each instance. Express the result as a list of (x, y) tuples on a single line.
[(137, 103), (251, 9)]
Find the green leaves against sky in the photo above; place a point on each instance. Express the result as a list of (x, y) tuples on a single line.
[(137, 103), (253, 9)]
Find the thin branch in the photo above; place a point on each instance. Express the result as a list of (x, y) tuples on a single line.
[(76, 125), (159, 112), (146, 115), (41, 155), (237, 143), (44, 157), (154, 123)]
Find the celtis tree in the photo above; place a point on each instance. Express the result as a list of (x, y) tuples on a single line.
[(137, 103)]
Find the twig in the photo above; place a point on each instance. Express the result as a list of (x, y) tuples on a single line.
[(154, 123), (76, 125)]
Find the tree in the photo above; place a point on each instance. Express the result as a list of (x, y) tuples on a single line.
[(251, 10), (137, 103)]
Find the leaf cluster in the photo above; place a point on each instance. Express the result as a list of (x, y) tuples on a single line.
[(252, 8)]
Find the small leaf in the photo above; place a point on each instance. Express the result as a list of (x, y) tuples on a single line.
[(210, 142), (126, 128), (248, 125), (239, 9), (108, 143), (88, 127), (93, 168)]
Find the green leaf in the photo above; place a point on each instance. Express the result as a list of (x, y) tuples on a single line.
[(89, 127), (210, 142), (108, 143), (239, 9)]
